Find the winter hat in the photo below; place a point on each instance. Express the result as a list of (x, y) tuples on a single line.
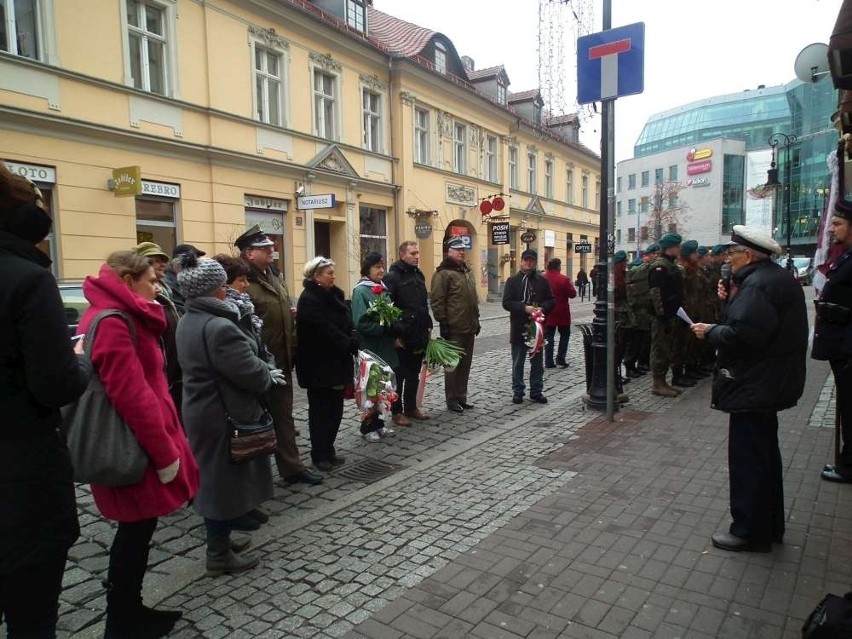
[(619, 257), (370, 260), (688, 248), (199, 277), (669, 240), (529, 253), (149, 250)]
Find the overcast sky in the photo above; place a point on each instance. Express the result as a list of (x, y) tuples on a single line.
[(693, 49)]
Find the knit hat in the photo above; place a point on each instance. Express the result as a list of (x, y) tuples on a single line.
[(370, 260), (199, 277), (669, 240), (688, 248), (619, 257)]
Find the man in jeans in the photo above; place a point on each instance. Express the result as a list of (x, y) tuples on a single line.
[(526, 292), (559, 319)]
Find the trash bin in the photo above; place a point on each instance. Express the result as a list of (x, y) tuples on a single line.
[(586, 330)]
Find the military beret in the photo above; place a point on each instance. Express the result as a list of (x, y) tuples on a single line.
[(636, 262), (703, 250), (718, 249), (653, 248), (619, 257), (669, 240), (688, 248)]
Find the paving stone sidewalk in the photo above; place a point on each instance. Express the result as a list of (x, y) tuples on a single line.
[(623, 549)]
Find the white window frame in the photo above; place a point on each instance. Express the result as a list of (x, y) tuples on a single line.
[(45, 31), (440, 58), (460, 148), (322, 131), (569, 186), (283, 64), (491, 158), (422, 136), (548, 178), (532, 172), (170, 71), (372, 122), (502, 93), (356, 12), (514, 173), (584, 191)]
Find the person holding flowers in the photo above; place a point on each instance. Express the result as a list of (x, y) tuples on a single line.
[(324, 366), (455, 306), (375, 318), (528, 298)]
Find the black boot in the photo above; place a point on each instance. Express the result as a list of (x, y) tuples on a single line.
[(679, 379), (128, 618)]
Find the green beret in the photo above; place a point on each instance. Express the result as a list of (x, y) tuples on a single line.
[(669, 240), (703, 250), (718, 249), (653, 248), (688, 248), (636, 262), (619, 257)]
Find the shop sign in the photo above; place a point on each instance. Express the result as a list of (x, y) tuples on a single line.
[(324, 201), (699, 167), (550, 239), (528, 237), (128, 181), (422, 229), (582, 247), (698, 154), (34, 172), (699, 181), (268, 203), (160, 189), (500, 233), (269, 223)]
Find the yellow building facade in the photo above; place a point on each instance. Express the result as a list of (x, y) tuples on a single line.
[(182, 121)]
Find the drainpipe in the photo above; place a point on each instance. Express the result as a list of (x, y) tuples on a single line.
[(394, 158)]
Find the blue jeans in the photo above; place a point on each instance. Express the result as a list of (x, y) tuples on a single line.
[(562, 351), (519, 356)]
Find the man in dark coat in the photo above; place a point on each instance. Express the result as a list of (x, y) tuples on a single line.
[(833, 334), (524, 293), (665, 284), (39, 373), (762, 345), (559, 319), (407, 288)]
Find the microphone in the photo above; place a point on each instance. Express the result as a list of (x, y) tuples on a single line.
[(726, 276)]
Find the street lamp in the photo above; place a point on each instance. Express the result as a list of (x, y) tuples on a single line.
[(772, 181)]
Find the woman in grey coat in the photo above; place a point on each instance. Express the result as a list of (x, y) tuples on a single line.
[(221, 368)]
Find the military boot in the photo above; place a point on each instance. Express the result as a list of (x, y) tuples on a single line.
[(662, 389), (222, 560), (680, 379)]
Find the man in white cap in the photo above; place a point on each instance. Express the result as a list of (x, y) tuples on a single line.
[(762, 345)]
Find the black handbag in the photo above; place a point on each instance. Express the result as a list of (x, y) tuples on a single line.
[(831, 619), (248, 440), (103, 449)]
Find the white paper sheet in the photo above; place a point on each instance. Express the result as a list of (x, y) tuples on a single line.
[(682, 315)]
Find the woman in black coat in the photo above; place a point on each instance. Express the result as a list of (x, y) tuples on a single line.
[(38, 373), (326, 344)]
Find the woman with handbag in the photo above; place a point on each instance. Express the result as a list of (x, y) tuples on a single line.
[(324, 353), (129, 361), (38, 374), (224, 382)]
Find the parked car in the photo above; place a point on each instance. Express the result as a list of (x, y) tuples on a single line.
[(74, 302), (802, 268)]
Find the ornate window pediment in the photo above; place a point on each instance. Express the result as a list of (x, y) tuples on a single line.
[(325, 61), (332, 159)]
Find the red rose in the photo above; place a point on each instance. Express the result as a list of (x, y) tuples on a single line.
[(378, 289)]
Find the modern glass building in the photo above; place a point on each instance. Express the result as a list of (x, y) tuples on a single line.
[(797, 109)]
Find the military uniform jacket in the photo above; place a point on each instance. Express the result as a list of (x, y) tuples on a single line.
[(833, 336), (691, 292), (666, 287), (272, 304)]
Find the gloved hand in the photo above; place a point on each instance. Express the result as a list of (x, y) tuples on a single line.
[(478, 329), (445, 331), (277, 376), (168, 474)]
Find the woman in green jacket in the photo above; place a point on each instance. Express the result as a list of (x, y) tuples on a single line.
[(380, 340)]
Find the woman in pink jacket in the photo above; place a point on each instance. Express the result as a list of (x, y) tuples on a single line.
[(135, 382)]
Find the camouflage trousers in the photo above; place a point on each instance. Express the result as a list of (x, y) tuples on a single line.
[(662, 341)]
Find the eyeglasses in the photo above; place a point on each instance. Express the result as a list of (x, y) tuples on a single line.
[(730, 252)]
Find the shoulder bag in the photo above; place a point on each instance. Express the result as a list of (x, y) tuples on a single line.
[(103, 449), (248, 440)]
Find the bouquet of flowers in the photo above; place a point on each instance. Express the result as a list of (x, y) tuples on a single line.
[(385, 312), (440, 354), (375, 385), (534, 335)]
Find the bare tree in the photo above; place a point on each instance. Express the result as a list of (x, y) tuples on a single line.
[(666, 211)]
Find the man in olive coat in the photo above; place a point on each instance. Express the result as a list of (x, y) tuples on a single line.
[(273, 305), (665, 284), (455, 306)]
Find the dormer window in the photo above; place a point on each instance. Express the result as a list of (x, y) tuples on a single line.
[(355, 14), (537, 112), (502, 93), (440, 57)]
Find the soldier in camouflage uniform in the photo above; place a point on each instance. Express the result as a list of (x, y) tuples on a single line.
[(623, 313), (709, 274), (637, 360), (665, 285)]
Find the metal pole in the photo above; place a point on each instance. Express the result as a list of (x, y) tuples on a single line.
[(789, 181)]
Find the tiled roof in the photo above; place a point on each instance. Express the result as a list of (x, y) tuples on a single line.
[(490, 72), (398, 35), (523, 96)]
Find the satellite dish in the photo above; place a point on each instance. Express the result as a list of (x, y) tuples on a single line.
[(812, 62)]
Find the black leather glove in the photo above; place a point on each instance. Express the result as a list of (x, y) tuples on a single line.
[(445, 331), (478, 329)]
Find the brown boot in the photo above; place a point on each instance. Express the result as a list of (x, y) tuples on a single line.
[(662, 389)]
